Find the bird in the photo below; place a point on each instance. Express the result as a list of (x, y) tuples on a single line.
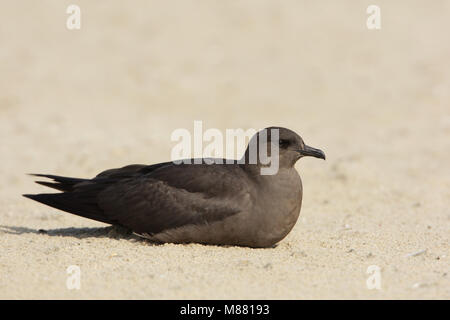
[(227, 203)]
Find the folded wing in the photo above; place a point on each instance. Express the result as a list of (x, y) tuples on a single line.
[(151, 199)]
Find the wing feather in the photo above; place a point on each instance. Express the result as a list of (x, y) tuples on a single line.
[(174, 196)]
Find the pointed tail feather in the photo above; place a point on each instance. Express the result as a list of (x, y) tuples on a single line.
[(59, 183), (55, 185), (72, 203)]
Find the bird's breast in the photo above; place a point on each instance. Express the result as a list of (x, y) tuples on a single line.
[(279, 206)]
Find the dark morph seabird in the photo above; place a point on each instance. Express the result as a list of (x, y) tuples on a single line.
[(219, 204)]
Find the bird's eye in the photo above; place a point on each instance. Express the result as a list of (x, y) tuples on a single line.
[(283, 143)]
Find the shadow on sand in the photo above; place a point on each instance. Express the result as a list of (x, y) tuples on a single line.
[(113, 232)]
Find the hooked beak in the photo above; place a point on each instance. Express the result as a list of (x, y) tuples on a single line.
[(308, 151)]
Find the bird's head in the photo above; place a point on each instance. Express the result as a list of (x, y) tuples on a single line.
[(271, 142)]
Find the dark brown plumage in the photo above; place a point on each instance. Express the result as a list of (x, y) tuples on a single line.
[(223, 204)]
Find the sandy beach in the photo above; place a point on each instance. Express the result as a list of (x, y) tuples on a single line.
[(76, 102)]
